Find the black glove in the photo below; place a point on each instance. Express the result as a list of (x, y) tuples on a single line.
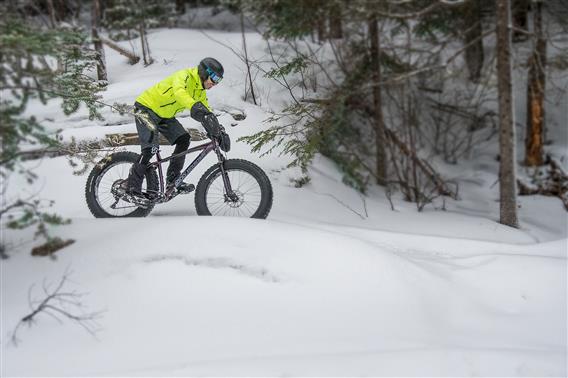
[(211, 125), (199, 111), (224, 141)]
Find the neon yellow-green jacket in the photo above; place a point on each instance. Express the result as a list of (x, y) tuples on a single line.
[(175, 93)]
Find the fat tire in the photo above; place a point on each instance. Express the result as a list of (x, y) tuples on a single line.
[(100, 168), (235, 164)]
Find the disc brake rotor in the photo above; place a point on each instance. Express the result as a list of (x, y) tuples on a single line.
[(236, 200)]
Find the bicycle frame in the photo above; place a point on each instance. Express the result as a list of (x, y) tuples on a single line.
[(205, 149)]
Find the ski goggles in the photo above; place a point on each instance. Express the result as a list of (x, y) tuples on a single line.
[(214, 77)]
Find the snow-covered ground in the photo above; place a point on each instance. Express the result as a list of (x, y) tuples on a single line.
[(330, 284)]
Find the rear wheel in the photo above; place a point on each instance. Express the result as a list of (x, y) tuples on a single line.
[(106, 180), (252, 191)]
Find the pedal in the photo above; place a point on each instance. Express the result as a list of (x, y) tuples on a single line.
[(136, 200), (186, 189)]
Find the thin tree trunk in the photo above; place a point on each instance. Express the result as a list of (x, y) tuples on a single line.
[(144, 58), (62, 10), (96, 24), (320, 27), (520, 9), (473, 40), (180, 6), (77, 11), (246, 59), (145, 41), (145, 48), (380, 140), (534, 140), (507, 180), (150, 59), (143, 38), (335, 23), (51, 11), (53, 22)]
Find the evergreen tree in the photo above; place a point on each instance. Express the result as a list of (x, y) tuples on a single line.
[(382, 97), (38, 64)]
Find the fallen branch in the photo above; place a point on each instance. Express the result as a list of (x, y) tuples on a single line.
[(550, 180), (424, 166), (132, 58), (58, 304), (109, 141), (51, 246)]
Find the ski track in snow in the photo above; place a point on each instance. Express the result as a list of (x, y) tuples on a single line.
[(329, 363), (217, 263)]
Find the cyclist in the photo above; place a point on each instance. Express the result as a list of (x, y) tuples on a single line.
[(155, 110)]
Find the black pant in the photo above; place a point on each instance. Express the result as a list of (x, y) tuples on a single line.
[(148, 125)]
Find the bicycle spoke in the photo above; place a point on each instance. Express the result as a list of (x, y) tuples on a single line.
[(104, 187), (244, 186)]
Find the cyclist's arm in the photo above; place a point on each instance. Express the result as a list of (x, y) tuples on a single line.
[(181, 93), (199, 109)]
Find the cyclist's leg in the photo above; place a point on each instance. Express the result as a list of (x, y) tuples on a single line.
[(136, 176), (176, 134), (146, 127), (176, 165)]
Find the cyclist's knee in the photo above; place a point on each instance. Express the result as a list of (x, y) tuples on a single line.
[(182, 142), (146, 155)]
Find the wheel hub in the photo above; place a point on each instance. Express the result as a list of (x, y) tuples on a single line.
[(118, 188), (236, 199)]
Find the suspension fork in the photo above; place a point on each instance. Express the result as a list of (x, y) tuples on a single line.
[(228, 189)]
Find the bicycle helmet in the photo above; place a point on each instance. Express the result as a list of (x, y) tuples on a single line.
[(210, 67)]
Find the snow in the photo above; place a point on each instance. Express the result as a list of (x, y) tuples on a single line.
[(331, 284)]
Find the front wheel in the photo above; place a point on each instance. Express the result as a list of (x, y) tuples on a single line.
[(252, 191)]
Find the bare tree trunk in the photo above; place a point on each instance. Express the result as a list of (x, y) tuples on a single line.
[(53, 22), (150, 59), (77, 11), (520, 9), (246, 59), (473, 40), (320, 26), (143, 37), (380, 140), (51, 11), (534, 140), (180, 6), (507, 180), (63, 10), (145, 48), (132, 58), (144, 58), (335, 23), (96, 24)]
